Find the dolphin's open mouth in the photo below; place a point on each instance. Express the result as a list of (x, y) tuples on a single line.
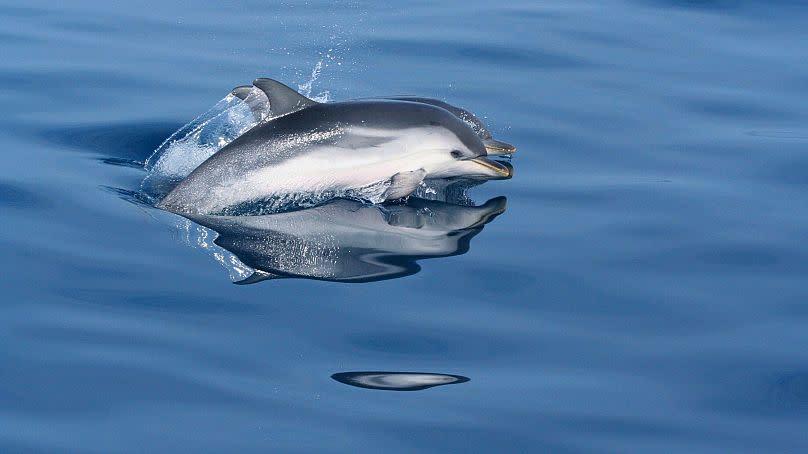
[(494, 168)]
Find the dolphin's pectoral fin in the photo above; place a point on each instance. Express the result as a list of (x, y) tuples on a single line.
[(282, 99), (403, 184), (255, 100), (257, 276)]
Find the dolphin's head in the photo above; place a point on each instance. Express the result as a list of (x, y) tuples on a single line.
[(493, 147), (441, 143), (466, 157)]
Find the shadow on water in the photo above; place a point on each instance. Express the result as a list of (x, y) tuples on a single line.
[(397, 381)]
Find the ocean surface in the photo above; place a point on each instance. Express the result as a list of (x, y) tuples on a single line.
[(638, 286)]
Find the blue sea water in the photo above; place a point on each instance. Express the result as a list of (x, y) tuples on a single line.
[(643, 291)]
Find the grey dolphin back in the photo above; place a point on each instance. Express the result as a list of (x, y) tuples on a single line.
[(468, 117), (283, 100)]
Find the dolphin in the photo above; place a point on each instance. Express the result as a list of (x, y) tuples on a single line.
[(349, 241), (305, 147)]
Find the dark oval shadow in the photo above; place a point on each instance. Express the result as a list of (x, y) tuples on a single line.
[(397, 381)]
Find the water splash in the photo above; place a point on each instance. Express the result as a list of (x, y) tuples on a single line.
[(306, 87), (219, 125), (208, 133), (455, 190), (201, 238), (195, 142)]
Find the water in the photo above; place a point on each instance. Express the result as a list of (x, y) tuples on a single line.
[(644, 289)]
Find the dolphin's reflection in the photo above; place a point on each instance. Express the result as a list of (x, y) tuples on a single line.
[(350, 241), (397, 381)]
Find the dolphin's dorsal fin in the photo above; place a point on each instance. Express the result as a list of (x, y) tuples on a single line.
[(282, 99), (257, 276), (255, 100)]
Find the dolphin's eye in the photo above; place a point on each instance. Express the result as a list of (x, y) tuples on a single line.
[(457, 154)]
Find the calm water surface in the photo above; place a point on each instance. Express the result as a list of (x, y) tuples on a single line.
[(643, 291)]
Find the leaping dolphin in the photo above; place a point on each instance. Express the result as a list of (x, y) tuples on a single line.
[(306, 147)]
